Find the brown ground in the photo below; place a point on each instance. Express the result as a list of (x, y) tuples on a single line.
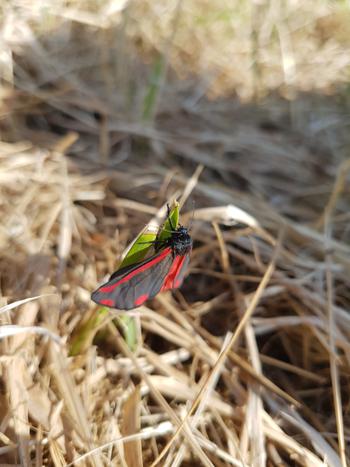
[(241, 112)]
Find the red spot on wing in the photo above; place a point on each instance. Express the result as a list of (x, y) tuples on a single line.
[(141, 299), (143, 267), (107, 302)]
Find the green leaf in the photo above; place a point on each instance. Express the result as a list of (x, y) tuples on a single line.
[(139, 249), (170, 223), (145, 240), (130, 330), (84, 337)]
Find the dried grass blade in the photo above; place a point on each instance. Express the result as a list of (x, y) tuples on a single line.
[(254, 415), (8, 330), (73, 403), (17, 303), (160, 399), (332, 332), (132, 424), (16, 374)]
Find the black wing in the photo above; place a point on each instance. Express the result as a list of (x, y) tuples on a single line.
[(131, 286)]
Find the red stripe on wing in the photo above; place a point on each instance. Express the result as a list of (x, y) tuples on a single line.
[(141, 299), (176, 273), (138, 269)]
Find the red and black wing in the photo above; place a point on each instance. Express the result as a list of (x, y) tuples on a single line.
[(131, 286), (176, 273)]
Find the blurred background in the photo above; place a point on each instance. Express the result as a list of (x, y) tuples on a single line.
[(240, 110)]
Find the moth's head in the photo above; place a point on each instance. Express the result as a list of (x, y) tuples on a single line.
[(181, 241)]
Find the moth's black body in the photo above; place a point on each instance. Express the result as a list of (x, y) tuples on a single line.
[(180, 242)]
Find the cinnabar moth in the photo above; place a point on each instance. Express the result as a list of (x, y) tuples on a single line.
[(131, 286)]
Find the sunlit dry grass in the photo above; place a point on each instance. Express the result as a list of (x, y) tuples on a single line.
[(247, 364)]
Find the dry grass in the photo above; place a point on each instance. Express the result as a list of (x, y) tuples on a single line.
[(246, 365)]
